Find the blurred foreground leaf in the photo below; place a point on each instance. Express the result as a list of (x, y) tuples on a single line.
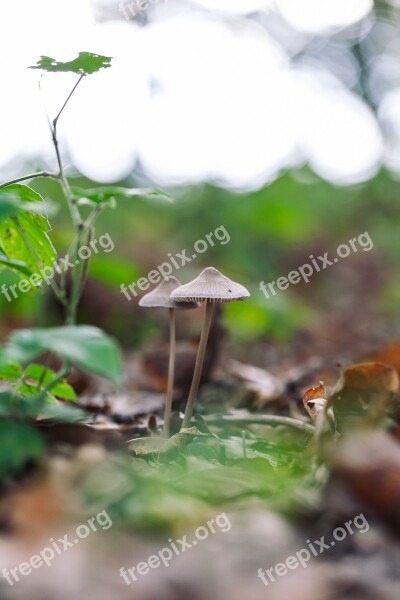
[(110, 193), (19, 444), (88, 347)]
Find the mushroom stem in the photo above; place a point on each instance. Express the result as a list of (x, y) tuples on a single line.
[(171, 372), (199, 363)]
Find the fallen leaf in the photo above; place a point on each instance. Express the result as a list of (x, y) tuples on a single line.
[(363, 392)]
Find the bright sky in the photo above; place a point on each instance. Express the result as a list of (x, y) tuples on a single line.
[(201, 92)]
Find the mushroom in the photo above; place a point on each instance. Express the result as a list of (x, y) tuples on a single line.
[(210, 287), (160, 298)]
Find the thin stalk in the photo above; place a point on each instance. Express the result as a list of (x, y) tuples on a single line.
[(93, 216), (75, 214), (171, 372), (30, 176), (55, 121), (89, 228), (85, 265), (76, 277), (244, 443), (199, 364)]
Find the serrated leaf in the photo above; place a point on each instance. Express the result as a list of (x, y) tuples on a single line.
[(86, 346), (8, 204), (24, 242), (111, 193), (86, 63), (13, 201)]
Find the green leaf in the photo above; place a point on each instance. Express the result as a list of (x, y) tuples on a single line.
[(234, 450), (24, 199), (88, 347), (6, 403), (19, 444), (25, 389), (86, 63), (8, 204), (10, 371), (39, 374), (110, 193), (42, 377), (15, 405), (15, 265), (62, 412), (64, 391), (25, 245)]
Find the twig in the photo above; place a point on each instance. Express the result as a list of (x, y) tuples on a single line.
[(55, 120), (31, 176), (261, 420)]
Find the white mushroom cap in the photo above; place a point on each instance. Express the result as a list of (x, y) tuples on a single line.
[(210, 285), (160, 296)]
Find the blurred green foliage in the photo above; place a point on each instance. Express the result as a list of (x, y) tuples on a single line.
[(165, 493), (272, 231)]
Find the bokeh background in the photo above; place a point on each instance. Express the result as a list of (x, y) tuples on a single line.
[(278, 119)]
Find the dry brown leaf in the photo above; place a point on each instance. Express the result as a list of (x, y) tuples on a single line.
[(263, 384), (364, 391)]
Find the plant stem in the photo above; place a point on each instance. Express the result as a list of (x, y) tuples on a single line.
[(199, 364), (30, 176), (171, 372), (76, 276), (79, 224), (55, 121), (93, 216), (75, 214)]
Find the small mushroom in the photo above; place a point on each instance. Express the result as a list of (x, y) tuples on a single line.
[(210, 287), (160, 298)]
